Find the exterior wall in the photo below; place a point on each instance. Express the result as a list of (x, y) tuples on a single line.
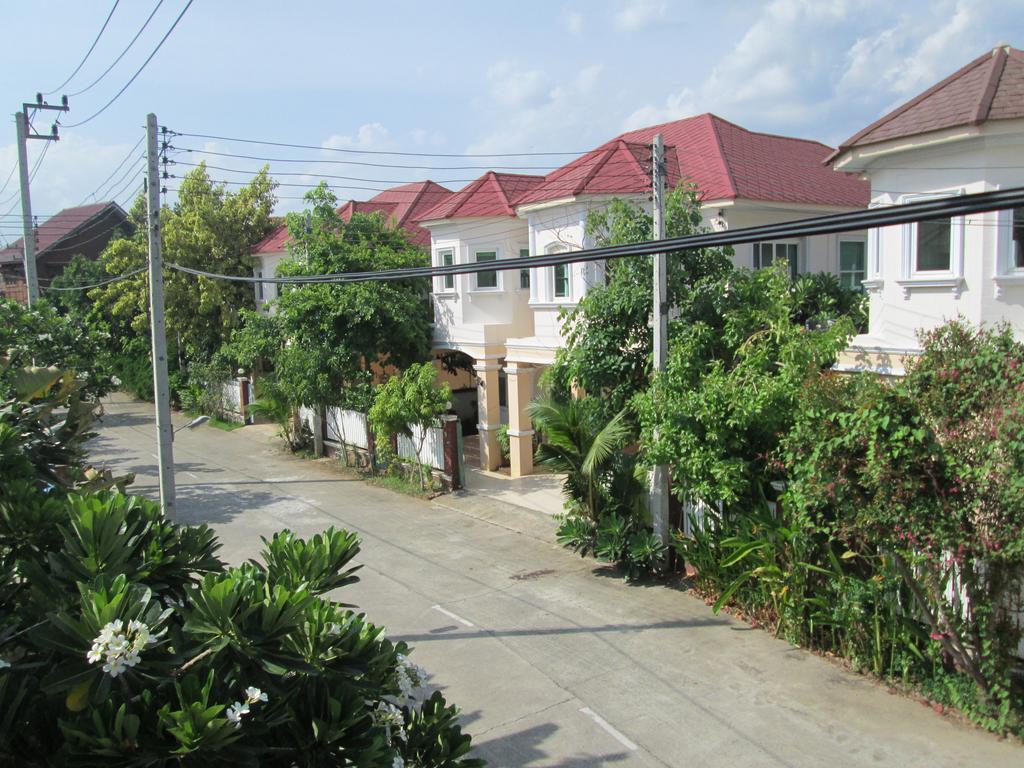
[(981, 285), (467, 316), (266, 264)]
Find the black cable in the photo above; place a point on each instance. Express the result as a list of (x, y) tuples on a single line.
[(119, 166), (125, 276), (371, 151), (137, 72), (820, 225), (87, 53), (121, 56)]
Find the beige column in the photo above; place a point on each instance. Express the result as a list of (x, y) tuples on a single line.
[(489, 409), (520, 427)]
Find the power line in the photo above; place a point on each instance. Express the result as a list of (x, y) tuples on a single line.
[(87, 53), (137, 72), (9, 177), (121, 56), (125, 276), (820, 225), (119, 166), (369, 151)]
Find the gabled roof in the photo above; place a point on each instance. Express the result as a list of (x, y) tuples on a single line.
[(989, 88), (71, 221), (724, 160), (400, 205), (493, 194)]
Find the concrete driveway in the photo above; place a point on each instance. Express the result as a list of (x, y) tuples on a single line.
[(554, 660)]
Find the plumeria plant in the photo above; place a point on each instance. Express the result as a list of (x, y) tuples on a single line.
[(125, 641)]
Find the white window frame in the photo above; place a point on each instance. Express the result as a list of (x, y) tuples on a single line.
[(441, 286), (839, 257), (784, 241), (259, 286), (497, 272), (551, 249), (1007, 272), (911, 278), (524, 253)]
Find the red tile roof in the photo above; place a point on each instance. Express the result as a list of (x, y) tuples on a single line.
[(989, 88), (493, 194), (401, 206), (59, 227), (725, 161)]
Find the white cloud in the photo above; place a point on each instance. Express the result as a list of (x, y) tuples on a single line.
[(635, 15), (367, 136), (676, 106), (516, 88), (573, 21)]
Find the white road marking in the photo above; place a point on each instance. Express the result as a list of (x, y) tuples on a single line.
[(604, 725), (451, 615), (192, 474), (155, 456)]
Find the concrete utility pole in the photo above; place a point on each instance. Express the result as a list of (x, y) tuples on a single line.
[(28, 237), (158, 330), (659, 475)]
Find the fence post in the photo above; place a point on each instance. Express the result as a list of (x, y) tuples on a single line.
[(243, 398), (371, 446), (451, 425)]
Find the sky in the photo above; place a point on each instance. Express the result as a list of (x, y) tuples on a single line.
[(449, 77)]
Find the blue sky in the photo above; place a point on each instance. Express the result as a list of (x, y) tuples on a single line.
[(457, 77)]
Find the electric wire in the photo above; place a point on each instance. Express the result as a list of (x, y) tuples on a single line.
[(121, 56), (125, 276), (87, 53), (820, 225), (118, 168), (138, 72)]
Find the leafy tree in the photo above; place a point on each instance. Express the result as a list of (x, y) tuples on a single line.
[(732, 389), (339, 335), (608, 334), (412, 399)]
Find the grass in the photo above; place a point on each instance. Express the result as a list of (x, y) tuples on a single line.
[(398, 485), (227, 426)]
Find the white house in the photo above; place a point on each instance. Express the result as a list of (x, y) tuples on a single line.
[(965, 134), (510, 325)]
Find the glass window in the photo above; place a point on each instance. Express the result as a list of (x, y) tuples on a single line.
[(561, 280), (488, 279), (933, 245), (524, 274), (259, 286), (446, 259), (502, 390), (1018, 238), (766, 254), (852, 264)]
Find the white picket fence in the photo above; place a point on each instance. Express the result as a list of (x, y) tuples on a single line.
[(432, 453), (231, 399), (347, 427)]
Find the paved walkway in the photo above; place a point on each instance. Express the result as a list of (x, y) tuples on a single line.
[(554, 661)]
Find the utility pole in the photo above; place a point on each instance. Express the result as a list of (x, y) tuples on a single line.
[(28, 238), (158, 330), (659, 475)]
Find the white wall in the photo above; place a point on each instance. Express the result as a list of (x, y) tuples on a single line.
[(266, 264), (981, 285), (468, 314)]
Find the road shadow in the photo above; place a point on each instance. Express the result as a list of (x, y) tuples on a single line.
[(525, 747)]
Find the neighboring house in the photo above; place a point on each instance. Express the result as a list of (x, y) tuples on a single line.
[(85, 230), (511, 327), (401, 205), (962, 135)]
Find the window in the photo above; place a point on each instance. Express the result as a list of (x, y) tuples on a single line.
[(502, 390), (766, 254), (446, 259), (852, 264), (561, 281), (488, 279), (1018, 238), (934, 241), (259, 286), (524, 274)]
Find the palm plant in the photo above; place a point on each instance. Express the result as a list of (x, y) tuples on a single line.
[(578, 443)]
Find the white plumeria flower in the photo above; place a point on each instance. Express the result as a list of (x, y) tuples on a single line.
[(254, 695), (397, 762), (95, 653)]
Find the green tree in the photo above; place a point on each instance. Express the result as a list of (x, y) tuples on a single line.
[(608, 334), (340, 335), (732, 387), (412, 399)]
